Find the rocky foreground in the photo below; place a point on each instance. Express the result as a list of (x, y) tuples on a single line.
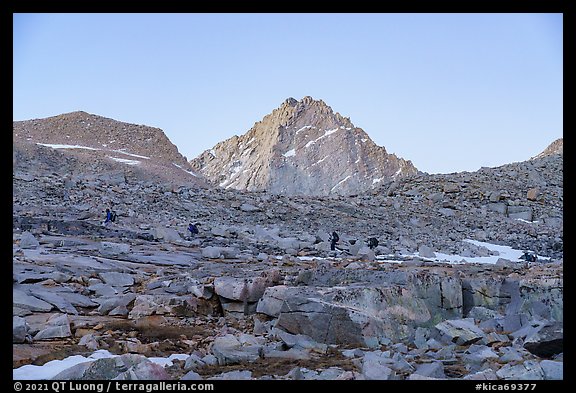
[(259, 295)]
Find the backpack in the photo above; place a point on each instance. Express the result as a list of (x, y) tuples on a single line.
[(335, 238), (113, 216)]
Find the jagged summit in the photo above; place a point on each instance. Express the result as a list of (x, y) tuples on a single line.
[(302, 147)]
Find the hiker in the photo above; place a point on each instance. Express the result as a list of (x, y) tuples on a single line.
[(108, 217), (193, 228), (372, 243), (334, 238), (529, 257)]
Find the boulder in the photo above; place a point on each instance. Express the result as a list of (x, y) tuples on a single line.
[(375, 367), (426, 252), (109, 304), (533, 194), (552, 369), (213, 252), (20, 330), (191, 376), (166, 234), (241, 289), (53, 297), (58, 326), (459, 331), (520, 212), (546, 341), (229, 350), (116, 279), (144, 371), (433, 370), (124, 367), (28, 241), (528, 370), (246, 207), (273, 298), (22, 300), (501, 208), (109, 249)]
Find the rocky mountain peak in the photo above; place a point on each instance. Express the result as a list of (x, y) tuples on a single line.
[(128, 146), (556, 147), (302, 147)]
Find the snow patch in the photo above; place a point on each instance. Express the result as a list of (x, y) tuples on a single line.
[(124, 161), (189, 172), (290, 153), (130, 154), (504, 252), (302, 129), (364, 140), (379, 179), (340, 182), (319, 161), (213, 153), (50, 369), (327, 133), (57, 146)]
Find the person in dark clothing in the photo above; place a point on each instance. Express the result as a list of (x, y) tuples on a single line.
[(334, 238), (193, 228), (529, 257), (108, 216), (372, 243)]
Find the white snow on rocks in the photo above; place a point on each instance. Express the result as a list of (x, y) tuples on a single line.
[(130, 154), (340, 182), (53, 367), (504, 252), (58, 146), (124, 161), (189, 172), (302, 129), (327, 133), (290, 153)]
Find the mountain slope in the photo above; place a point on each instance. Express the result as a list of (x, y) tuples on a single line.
[(556, 147), (301, 148), (100, 140)]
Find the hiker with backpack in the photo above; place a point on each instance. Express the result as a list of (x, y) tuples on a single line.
[(334, 238), (372, 243), (193, 228), (110, 217)]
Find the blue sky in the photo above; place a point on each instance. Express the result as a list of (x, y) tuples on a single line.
[(450, 92)]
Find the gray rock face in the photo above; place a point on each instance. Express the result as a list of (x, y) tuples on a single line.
[(301, 148)]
